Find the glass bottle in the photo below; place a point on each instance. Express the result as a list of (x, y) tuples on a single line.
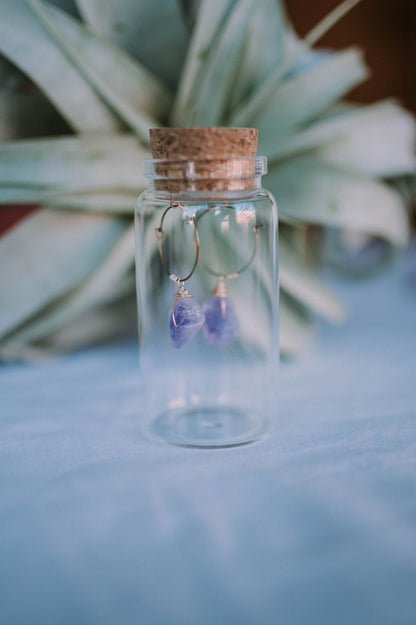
[(207, 288)]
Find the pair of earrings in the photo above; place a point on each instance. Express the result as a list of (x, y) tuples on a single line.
[(217, 316)]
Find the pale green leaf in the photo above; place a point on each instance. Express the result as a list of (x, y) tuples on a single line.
[(155, 33), (250, 107), (265, 45), (302, 283), (211, 17), (334, 16), (109, 202), (25, 42), (305, 95), (210, 102), (112, 202), (296, 327), (315, 192), (333, 124), (45, 167), (45, 256), (107, 283), (115, 320), (296, 53), (298, 99), (380, 143), (137, 97)]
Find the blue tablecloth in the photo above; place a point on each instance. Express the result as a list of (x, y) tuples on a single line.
[(316, 523)]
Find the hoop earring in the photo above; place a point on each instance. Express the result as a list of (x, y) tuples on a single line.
[(221, 321), (185, 317)]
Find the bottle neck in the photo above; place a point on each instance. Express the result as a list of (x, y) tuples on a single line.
[(192, 178)]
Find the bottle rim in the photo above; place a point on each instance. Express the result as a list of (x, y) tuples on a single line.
[(241, 167)]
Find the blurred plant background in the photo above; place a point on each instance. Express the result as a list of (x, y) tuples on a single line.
[(81, 83)]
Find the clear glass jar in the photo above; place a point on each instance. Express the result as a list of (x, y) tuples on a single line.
[(210, 219)]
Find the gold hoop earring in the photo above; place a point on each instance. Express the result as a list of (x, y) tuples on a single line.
[(185, 317), (221, 321)]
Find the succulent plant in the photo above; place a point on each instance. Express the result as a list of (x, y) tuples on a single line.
[(96, 74)]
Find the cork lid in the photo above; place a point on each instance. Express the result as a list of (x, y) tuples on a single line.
[(203, 143), (222, 158)]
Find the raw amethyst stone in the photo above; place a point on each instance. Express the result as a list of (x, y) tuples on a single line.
[(186, 318), (221, 322)]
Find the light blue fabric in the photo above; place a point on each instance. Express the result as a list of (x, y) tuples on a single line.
[(100, 525)]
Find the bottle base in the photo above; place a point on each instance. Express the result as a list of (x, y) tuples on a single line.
[(209, 427)]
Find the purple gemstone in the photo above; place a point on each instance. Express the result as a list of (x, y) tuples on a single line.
[(221, 322), (186, 318)]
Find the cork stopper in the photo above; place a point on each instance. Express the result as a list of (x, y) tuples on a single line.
[(218, 158), (203, 143)]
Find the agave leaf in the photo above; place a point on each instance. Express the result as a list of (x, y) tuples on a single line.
[(26, 43), (305, 95), (250, 107), (111, 320), (130, 90), (315, 192), (45, 256), (296, 327), (112, 202), (106, 283), (45, 167), (327, 127), (297, 54), (154, 33), (364, 148), (94, 326), (265, 45), (116, 319), (329, 21), (301, 282), (299, 98), (221, 67), (211, 17)]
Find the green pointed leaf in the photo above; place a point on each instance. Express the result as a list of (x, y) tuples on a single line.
[(296, 327), (325, 24), (300, 98), (211, 101), (212, 15), (45, 256), (137, 97), (297, 53), (155, 33), (26, 43), (336, 122), (107, 283), (263, 50), (315, 192), (110, 321), (108, 202), (365, 149), (297, 100), (42, 168), (111, 202), (302, 283), (255, 102), (117, 319)]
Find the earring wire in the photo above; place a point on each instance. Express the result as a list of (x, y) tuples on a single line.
[(160, 233), (234, 274)]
